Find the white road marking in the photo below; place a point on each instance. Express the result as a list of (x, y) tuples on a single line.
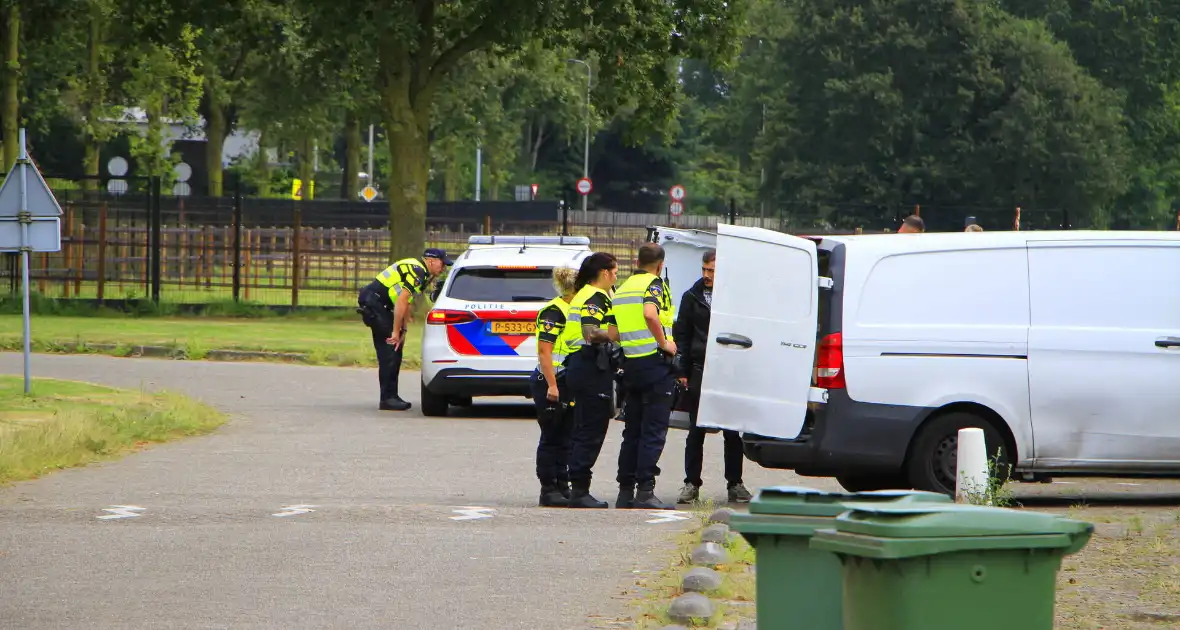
[(664, 516), (1129, 484), (120, 511), (472, 512), (292, 510)]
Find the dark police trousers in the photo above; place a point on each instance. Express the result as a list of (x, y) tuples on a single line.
[(590, 386), (553, 448), (389, 361), (694, 446), (649, 383)]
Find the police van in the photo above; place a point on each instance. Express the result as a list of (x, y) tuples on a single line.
[(479, 337), (861, 357)]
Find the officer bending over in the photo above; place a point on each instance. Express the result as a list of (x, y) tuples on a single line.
[(384, 305), (643, 310), (589, 331), (551, 393)]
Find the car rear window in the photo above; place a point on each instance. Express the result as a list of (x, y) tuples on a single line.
[(489, 284)]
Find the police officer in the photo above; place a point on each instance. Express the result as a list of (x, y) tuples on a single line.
[(643, 310), (551, 393), (384, 305), (588, 334)]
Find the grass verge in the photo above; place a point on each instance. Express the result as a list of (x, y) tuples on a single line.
[(322, 340), (734, 599), (62, 424)]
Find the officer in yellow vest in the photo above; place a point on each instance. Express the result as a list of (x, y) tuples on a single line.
[(384, 305), (644, 313), (588, 334), (551, 393)]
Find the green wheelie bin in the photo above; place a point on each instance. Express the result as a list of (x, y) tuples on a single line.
[(933, 567), (798, 587)]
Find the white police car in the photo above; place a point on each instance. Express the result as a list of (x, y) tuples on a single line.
[(479, 337)]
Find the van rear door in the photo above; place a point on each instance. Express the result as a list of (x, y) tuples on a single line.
[(762, 333)]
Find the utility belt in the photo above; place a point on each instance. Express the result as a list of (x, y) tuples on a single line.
[(373, 309), (606, 357), (562, 408)]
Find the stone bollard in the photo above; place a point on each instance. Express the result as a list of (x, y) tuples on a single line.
[(700, 580), (709, 554), (721, 515), (690, 606), (716, 533)]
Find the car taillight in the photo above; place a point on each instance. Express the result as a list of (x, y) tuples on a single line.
[(445, 317), (829, 365)]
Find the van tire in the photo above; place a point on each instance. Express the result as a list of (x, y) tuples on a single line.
[(870, 483), (933, 453), (433, 405)]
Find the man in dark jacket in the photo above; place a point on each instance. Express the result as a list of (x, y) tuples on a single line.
[(691, 334)]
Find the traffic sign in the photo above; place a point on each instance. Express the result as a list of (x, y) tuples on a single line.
[(584, 186), (677, 192), (676, 208), (535, 187), (369, 193)]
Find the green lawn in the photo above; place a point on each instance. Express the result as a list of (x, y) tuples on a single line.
[(61, 424), (324, 341)]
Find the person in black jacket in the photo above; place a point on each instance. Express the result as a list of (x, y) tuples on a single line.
[(691, 334)]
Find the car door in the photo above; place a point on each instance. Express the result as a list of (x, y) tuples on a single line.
[(1104, 354), (762, 333)]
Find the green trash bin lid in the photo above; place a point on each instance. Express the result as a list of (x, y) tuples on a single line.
[(902, 530), (799, 511)]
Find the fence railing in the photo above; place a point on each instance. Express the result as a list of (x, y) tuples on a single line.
[(198, 250)]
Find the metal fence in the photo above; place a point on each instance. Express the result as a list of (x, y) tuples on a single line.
[(190, 250)]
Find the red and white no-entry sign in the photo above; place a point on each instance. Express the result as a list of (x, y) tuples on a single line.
[(676, 208), (584, 186), (676, 192)]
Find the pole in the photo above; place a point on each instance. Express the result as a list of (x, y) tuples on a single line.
[(478, 168), (25, 220), (586, 143), (732, 211), (237, 288), (565, 216), (370, 155), (157, 245)]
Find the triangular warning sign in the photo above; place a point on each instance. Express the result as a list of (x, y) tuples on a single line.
[(40, 201)]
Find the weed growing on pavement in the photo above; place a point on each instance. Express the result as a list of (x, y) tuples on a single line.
[(995, 492), (62, 424)]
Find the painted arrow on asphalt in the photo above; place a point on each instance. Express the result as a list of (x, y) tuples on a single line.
[(292, 510), (472, 512), (668, 517), (120, 511)]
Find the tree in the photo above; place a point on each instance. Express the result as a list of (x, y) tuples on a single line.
[(418, 44)]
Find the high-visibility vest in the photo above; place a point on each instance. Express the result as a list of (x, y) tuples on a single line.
[(560, 349), (394, 277), (636, 339), (571, 335)]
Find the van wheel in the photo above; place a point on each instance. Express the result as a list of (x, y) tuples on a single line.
[(870, 483), (433, 405), (933, 460)]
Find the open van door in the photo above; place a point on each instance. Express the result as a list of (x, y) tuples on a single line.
[(683, 250), (762, 333)]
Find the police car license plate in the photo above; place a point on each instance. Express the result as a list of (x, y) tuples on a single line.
[(514, 328)]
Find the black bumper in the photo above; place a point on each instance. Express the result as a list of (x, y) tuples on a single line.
[(465, 382), (842, 437)]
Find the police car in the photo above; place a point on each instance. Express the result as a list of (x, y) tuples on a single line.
[(479, 338)]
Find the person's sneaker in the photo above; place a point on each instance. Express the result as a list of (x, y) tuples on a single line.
[(394, 404), (739, 494), (689, 493)]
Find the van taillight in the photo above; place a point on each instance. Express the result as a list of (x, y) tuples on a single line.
[(443, 317), (829, 366)]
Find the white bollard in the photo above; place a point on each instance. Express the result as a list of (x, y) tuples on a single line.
[(971, 477)]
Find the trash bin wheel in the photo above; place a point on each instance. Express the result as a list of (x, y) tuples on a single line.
[(933, 457)]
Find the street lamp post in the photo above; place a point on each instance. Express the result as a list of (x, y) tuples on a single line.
[(586, 144)]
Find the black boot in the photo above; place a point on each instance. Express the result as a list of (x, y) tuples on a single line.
[(551, 496), (394, 404), (626, 496), (646, 499), (580, 498), (564, 488)]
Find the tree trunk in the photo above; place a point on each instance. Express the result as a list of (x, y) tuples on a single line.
[(350, 185), (91, 147), (11, 108), (451, 175), (216, 129), (306, 174), (91, 163), (409, 149)]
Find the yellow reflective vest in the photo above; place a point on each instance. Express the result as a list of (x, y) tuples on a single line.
[(571, 335), (405, 274), (560, 349), (636, 339)]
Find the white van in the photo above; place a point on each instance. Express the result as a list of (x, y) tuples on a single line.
[(860, 357)]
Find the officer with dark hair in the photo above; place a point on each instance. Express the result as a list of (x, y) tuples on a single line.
[(384, 306), (644, 314)]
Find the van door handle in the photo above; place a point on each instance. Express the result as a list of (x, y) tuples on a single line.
[(1167, 342), (734, 340)]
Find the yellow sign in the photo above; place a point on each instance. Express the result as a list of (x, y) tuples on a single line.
[(520, 327), (297, 189), (369, 193)]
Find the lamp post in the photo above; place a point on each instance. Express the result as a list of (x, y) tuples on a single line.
[(586, 146)]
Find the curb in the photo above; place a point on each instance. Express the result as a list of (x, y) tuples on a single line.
[(693, 603)]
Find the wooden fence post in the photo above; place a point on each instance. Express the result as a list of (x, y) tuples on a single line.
[(102, 250), (296, 233)]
